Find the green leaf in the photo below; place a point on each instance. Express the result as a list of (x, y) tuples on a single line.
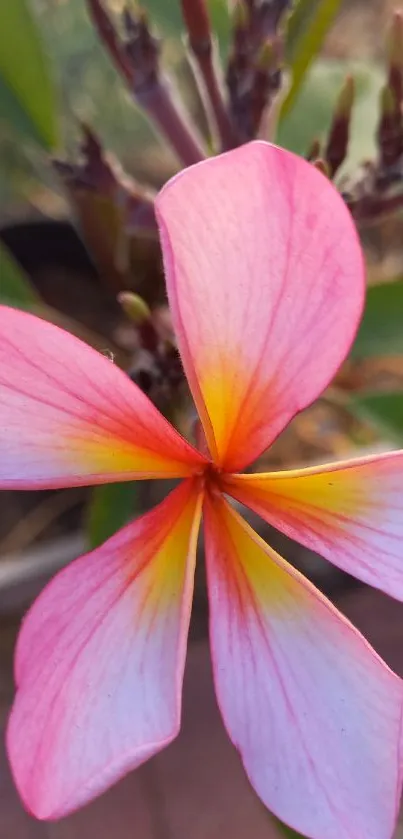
[(285, 831), (26, 91), (307, 28), (381, 330), (382, 410), (220, 20), (111, 507), (312, 113), (289, 833), (169, 16), (15, 286)]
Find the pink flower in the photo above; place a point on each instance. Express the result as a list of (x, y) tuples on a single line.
[(266, 283)]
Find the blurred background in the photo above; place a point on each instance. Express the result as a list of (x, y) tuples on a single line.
[(80, 161)]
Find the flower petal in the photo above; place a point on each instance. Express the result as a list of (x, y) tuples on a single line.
[(351, 513), (266, 283), (100, 659), (69, 416), (314, 712)]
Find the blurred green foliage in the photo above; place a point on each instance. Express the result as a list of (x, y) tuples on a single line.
[(111, 507), (87, 79), (311, 114), (287, 832), (381, 329), (27, 94), (383, 411), (308, 26), (15, 286), (168, 16)]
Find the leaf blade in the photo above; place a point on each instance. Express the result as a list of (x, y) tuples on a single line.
[(307, 28), (28, 93)]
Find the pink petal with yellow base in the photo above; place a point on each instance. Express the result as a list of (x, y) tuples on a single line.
[(100, 661), (314, 712), (266, 285), (351, 513), (69, 416)]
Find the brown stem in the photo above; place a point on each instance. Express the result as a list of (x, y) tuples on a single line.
[(141, 219), (158, 103), (205, 62), (109, 38), (204, 59), (370, 208), (137, 61)]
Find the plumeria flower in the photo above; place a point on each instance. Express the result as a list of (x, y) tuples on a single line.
[(265, 281)]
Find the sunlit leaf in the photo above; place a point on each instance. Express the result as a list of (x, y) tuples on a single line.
[(307, 28), (15, 286), (384, 411), (381, 330), (111, 507), (27, 97)]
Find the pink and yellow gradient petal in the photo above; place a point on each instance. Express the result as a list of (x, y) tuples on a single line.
[(69, 416), (100, 660), (351, 513), (265, 280), (314, 712)]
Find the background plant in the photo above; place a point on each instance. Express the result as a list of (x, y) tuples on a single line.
[(149, 89)]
